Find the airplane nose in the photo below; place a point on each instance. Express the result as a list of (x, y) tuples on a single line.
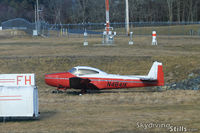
[(51, 79)]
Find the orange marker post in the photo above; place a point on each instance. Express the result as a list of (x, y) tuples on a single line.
[(154, 40)]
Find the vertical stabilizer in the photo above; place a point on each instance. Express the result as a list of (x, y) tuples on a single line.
[(156, 73)]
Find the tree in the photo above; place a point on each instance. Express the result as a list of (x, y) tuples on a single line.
[(170, 4), (84, 11), (83, 5), (178, 5)]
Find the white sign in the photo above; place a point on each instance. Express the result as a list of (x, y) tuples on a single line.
[(0, 28), (85, 33), (17, 79), (35, 33), (19, 101)]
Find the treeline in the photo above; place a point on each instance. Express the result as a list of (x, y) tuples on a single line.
[(85, 11)]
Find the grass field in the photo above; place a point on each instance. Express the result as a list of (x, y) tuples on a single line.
[(168, 30), (115, 111)]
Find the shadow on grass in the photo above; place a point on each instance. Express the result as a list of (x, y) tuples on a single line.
[(108, 91), (18, 119), (47, 115), (43, 116)]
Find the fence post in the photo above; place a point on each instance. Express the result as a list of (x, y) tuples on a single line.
[(131, 39), (104, 37), (85, 43)]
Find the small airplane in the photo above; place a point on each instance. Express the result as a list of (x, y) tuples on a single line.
[(88, 78)]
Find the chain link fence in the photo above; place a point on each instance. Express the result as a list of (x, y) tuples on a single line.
[(96, 29)]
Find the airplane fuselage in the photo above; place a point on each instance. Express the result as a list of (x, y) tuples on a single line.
[(91, 78)]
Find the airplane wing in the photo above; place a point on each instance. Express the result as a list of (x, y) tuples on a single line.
[(81, 83), (78, 83)]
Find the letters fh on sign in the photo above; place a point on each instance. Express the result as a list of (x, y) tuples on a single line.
[(17, 79)]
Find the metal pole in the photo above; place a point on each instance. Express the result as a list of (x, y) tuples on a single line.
[(107, 16), (37, 17), (127, 19)]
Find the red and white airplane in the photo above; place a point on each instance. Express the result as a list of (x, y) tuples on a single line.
[(84, 78)]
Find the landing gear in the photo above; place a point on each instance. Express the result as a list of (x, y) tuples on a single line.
[(57, 91), (83, 91)]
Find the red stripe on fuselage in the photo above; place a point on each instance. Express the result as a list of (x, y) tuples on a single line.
[(113, 83)]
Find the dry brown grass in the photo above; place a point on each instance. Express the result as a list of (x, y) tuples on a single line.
[(163, 30), (168, 46), (117, 111), (112, 112)]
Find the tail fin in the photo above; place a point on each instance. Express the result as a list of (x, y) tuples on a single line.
[(156, 73)]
